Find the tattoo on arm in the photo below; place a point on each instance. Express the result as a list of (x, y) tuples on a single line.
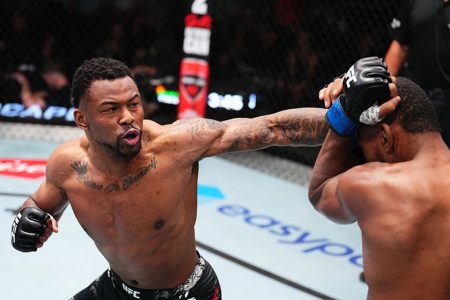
[(251, 135), (199, 132), (296, 127), (196, 127), (308, 130), (215, 125), (121, 185)]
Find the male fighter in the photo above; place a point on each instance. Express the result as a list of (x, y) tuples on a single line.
[(132, 184), (400, 195)]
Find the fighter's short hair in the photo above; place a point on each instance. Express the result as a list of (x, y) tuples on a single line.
[(415, 112), (99, 68)]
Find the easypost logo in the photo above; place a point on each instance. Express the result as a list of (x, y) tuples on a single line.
[(308, 242), (22, 168)]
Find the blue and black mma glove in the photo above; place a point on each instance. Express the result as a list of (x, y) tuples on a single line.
[(29, 224), (365, 84)]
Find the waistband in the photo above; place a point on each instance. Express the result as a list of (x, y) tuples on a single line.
[(136, 293)]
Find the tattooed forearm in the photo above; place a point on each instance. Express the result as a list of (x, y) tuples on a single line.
[(120, 185), (295, 127), (303, 128), (305, 132), (249, 134), (215, 125)]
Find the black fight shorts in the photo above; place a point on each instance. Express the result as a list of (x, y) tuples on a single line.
[(203, 284)]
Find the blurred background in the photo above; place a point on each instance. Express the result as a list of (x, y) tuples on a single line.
[(265, 56)]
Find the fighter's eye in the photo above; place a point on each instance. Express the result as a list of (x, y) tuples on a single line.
[(110, 109)]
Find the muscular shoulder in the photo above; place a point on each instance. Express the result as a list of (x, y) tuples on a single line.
[(59, 162), (368, 174), (185, 135), (197, 127), (370, 185), (372, 174), (153, 129)]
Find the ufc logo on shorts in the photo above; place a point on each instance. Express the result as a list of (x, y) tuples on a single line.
[(131, 292), (350, 76)]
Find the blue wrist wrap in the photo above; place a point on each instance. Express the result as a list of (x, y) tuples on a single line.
[(339, 121)]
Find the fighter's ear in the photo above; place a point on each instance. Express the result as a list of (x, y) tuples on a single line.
[(387, 138), (80, 119)]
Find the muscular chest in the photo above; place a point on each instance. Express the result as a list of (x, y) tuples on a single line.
[(151, 197)]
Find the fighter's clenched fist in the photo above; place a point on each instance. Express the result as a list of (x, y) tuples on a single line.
[(31, 228)]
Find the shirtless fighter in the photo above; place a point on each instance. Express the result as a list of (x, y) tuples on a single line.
[(399, 195), (132, 184)]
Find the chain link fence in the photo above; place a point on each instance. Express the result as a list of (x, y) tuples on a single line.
[(286, 50), (275, 54)]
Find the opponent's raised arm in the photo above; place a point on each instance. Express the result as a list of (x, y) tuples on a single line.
[(38, 216), (366, 85)]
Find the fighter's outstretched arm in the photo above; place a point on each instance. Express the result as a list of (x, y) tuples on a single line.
[(293, 127)]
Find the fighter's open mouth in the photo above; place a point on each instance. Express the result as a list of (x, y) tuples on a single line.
[(130, 135)]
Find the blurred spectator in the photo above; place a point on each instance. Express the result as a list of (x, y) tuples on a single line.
[(421, 37), (57, 83), (270, 48), (32, 90), (50, 87)]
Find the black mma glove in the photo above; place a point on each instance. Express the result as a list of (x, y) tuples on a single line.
[(28, 225), (365, 84)]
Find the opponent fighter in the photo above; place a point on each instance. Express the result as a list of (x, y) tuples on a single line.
[(132, 184), (400, 196)]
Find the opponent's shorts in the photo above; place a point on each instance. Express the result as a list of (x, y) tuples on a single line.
[(203, 284)]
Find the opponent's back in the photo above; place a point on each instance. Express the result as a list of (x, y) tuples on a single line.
[(405, 224)]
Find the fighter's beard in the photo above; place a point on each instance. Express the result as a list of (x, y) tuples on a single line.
[(119, 145)]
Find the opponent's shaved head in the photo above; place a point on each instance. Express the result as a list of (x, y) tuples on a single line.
[(99, 68), (415, 112)]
